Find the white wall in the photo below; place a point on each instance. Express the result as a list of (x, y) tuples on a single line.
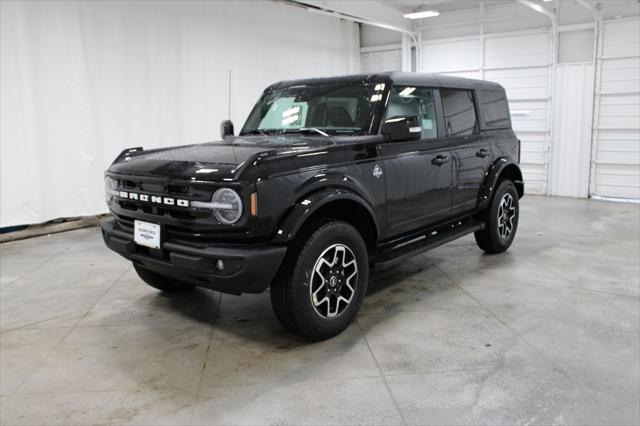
[(83, 80), (373, 36), (387, 57), (572, 115), (615, 170)]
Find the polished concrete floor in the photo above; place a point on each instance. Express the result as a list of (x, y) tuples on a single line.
[(547, 333)]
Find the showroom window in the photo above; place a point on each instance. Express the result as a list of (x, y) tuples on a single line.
[(459, 112), (408, 101)]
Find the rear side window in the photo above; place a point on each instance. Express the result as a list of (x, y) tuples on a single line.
[(459, 112), (409, 101), (495, 109)]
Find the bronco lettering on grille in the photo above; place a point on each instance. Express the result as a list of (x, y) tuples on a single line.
[(153, 199)]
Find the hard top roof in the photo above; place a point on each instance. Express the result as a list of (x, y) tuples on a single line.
[(401, 78)]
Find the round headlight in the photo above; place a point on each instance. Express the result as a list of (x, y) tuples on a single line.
[(226, 205), (110, 186)]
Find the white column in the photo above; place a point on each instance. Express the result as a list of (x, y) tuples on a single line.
[(406, 53)]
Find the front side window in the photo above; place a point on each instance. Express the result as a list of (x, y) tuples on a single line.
[(408, 101), (333, 108), (459, 112)]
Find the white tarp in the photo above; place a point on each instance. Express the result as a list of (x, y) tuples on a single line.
[(80, 81)]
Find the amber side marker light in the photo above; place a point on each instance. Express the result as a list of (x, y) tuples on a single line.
[(254, 204)]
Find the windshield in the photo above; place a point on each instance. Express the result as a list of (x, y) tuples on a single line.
[(321, 109)]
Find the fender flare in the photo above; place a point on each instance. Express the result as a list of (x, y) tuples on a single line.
[(307, 205), (129, 152), (493, 175)]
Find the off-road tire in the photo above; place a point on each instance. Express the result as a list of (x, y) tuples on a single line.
[(291, 294), (161, 282), (492, 238)]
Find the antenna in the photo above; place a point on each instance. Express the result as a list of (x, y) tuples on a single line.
[(229, 101)]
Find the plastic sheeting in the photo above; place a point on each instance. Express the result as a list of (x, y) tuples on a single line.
[(80, 81)]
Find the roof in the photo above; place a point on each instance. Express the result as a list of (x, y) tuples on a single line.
[(436, 80), (402, 78)]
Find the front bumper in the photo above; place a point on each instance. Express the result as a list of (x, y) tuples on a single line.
[(248, 269)]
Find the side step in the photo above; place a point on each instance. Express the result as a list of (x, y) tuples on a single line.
[(430, 240)]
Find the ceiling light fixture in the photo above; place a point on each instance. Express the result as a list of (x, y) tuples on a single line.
[(422, 14)]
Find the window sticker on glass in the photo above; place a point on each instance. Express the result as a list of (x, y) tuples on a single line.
[(427, 124), (291, 116), (407, 91)]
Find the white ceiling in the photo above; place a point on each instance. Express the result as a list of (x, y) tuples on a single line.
[(406, 6)]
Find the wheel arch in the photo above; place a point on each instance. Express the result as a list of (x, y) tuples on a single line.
[(501, 169), (333, 203)]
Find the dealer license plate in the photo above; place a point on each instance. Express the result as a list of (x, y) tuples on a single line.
[(146, 234)]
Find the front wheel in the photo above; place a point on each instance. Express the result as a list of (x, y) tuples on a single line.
[(501, 220), (323, 281)]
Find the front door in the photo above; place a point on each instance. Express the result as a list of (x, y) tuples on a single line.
[(418, 174)]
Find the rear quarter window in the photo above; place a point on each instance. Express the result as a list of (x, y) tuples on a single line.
[(459, 112), (494, 109)]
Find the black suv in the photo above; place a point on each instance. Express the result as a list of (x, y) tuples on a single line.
[(327, 179)]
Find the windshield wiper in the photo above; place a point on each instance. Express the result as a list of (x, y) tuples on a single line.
[(254, 132), (308, 130)]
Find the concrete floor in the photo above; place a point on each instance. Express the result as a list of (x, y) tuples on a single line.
[(545, 333)]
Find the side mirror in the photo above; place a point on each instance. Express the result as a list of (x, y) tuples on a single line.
[(402, 129), (226, 128)]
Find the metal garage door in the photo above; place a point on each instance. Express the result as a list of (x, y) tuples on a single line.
[(459, 57), (616, 157), (381, 58), (521, 62)]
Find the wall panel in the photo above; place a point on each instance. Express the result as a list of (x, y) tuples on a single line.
[(381, 58), (572, 112), (524, 50), (616, 157), (450, 56)]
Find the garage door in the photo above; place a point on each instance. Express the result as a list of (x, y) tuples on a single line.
[(521, 63), (616, 160), (381, 58)]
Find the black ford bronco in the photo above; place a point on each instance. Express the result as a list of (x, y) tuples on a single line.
[(328, 179)]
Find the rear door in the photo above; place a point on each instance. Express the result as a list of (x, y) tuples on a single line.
[(418, 174), (471, 151)]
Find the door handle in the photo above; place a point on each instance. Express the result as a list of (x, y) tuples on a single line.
[(482, 153), (439, 160)]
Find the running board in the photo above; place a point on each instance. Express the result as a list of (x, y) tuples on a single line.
[(428, 241)]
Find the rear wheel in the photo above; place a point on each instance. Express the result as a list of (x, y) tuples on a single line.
[(323, 281), (501, 219), (162, 282)]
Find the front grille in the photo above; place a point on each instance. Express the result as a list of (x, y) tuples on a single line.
[(186, 225), (196, 190), (175, 213)]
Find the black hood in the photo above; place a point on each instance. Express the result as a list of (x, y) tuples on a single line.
[(213, 161)]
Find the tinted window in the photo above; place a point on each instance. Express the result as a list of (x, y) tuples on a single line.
[(495, 109), (407, 101), (459, 112)]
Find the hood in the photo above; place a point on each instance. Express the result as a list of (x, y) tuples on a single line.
[(212, 161)]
